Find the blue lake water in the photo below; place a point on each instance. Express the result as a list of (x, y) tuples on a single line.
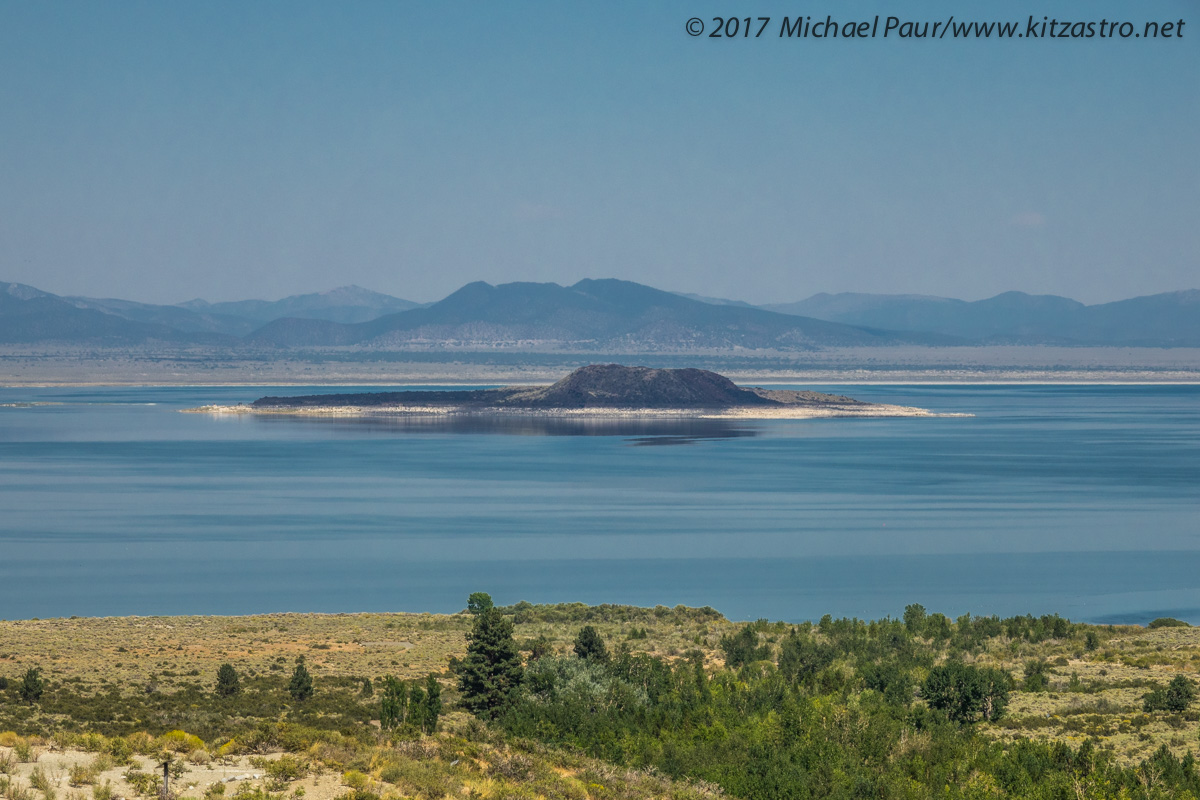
[(1080, 500)]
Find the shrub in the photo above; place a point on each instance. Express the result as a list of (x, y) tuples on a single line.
[(80, 774), (1176, 697), (1037, 675), (967, 693), (120, 750), (285, 769), (25, 752), (354, 779), (1168, 622), (743, 647), (40, 781), (102, 791), (180, 742)]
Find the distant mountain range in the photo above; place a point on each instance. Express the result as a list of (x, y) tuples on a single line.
[(597, 316), (593, 315), (1170, 319)]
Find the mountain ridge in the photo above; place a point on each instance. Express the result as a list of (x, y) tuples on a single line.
[(597, 315)]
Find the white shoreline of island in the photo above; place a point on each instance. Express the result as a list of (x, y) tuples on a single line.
[(735, 412)]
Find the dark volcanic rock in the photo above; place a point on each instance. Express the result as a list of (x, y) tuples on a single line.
[(597, 386), (617, 386)]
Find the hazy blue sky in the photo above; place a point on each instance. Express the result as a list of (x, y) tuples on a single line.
[(161, 151)]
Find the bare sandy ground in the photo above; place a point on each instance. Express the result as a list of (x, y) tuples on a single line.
[(56, 764)]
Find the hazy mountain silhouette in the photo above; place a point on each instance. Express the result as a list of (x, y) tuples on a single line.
[(1172, 318), (28, 315), (347, 304), (31, 315), (593, 314), (599, 315)]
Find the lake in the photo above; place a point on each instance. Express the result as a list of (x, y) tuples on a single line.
[(1082, 500)]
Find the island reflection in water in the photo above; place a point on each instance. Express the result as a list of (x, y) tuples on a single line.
[(640, 430)]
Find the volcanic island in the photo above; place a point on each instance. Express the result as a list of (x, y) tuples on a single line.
[(598, 390)]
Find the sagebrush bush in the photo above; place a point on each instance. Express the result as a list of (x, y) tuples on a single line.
[(180, 742), (81, 774)]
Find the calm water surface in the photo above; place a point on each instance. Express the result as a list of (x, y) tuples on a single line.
[(1081, 500)]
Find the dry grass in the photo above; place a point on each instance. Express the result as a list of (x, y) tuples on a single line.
[(137, 650), (92, 653), (1107, 703)]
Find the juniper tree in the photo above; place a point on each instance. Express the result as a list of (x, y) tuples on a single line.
[(300, 687), (589, 646), (32, 686), (227, 681)]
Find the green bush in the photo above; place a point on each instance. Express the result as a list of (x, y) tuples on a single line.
[(1168, 622), (967, 693), (228, 683), (1176, 697), (1037, 675)]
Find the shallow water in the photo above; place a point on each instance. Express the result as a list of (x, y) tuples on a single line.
[(1081, 500)]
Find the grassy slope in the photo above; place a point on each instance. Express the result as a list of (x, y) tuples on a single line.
[(164, 669)]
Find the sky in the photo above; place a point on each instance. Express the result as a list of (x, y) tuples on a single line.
[(227, 150)]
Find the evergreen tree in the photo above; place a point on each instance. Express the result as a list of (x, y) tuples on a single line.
[(433, 703), (417, 708), (32, 686), (300, 687), (914, 618), (394, 703), (368, 688), (491, 673), (589, 646), (227, 681)]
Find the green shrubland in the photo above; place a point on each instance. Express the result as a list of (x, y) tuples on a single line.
[(590, 702)]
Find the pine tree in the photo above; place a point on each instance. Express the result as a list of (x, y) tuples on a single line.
[(301, 685), (227, 681), (32, 686), (589, 646), (491, 673)]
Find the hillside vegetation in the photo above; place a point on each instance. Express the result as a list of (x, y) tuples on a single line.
[(606, 701)]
